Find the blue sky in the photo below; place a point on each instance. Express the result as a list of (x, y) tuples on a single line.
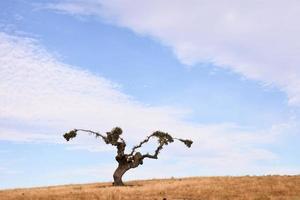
[(222, 74)]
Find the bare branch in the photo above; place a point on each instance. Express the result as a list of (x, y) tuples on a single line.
[(112, 138), (163, 139), (187, 142), (92, 132), (140, 144), (73, 133), (155, 155)]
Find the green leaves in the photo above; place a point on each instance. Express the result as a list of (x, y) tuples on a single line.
[(70, 135)]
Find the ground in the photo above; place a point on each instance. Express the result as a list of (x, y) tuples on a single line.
[(197, 188)]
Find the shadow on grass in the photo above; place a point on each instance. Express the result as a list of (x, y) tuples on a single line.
[(124, 186)]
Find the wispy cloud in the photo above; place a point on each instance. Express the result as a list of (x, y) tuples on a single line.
[(25, 136), (88, 7), (38, 89), (256, 39)]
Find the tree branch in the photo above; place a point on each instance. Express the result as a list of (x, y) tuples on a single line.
[(155, 155), (112, 138), (92, 132), (163, 139), (73, 133), (140, 144)]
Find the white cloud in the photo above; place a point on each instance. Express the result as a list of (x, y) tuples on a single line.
[(25, 136), (52, 97), (87, 7), (258, 39)]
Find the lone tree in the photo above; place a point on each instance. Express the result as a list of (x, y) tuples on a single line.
[(134, 158)]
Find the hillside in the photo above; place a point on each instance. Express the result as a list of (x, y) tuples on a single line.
[(247, 187)]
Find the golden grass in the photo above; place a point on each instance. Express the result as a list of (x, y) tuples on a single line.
[(206, 188)]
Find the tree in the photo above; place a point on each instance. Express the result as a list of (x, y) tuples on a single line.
[(134, 158)]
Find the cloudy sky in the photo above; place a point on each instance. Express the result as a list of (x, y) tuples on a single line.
[(222, 73)]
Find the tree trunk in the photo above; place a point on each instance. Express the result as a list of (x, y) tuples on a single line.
[(118, 174)]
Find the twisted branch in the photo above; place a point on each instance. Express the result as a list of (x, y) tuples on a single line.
[(112, 138), (140, 144), (163, 139), (155, 155)]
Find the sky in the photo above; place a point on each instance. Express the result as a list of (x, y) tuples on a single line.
[(222, 73)]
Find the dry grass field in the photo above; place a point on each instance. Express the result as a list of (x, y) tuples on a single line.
[(247, 187)]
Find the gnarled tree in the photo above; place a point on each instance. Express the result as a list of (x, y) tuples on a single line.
[(134, 158)]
